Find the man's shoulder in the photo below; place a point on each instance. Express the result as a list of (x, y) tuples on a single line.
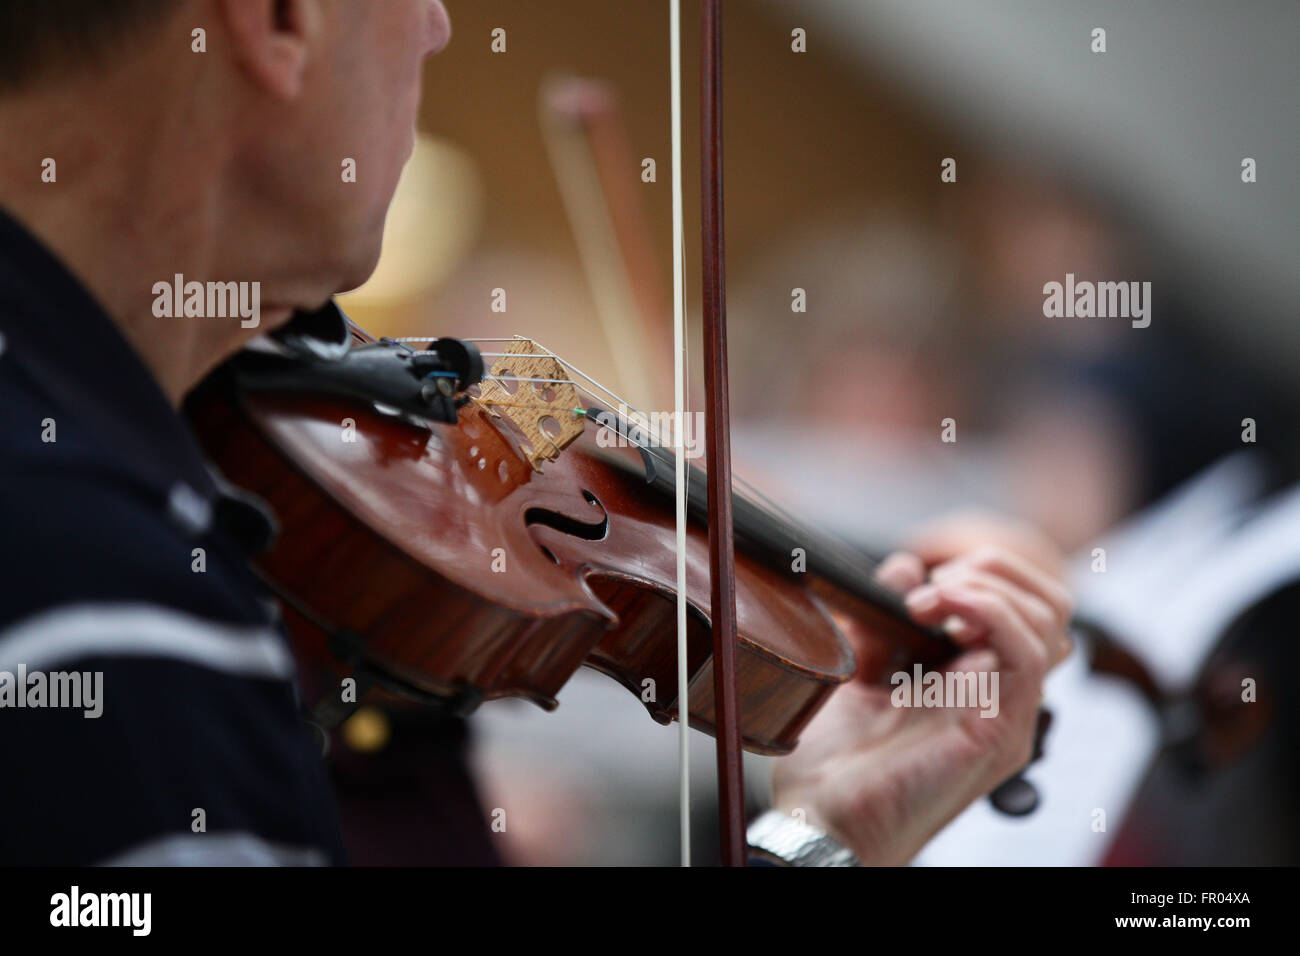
[(39, 431), (80, 525)]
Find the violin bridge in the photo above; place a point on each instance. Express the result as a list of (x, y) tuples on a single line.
[(544, 405)]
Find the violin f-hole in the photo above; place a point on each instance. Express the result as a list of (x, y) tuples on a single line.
[(572, 526)]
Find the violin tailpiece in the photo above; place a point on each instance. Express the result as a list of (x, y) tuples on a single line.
[(544, 405)]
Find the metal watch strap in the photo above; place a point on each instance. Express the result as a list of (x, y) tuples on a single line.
[(783, 839)]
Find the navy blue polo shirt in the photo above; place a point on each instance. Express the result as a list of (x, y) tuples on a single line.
[(148, 711)]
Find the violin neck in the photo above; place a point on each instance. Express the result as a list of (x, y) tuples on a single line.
[(775, 538)]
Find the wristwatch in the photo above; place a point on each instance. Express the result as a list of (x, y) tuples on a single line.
[(780, 838)]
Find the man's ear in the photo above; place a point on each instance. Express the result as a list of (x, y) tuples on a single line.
[(272, 40)]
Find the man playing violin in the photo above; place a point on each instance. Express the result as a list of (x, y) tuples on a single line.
[(149, 139)]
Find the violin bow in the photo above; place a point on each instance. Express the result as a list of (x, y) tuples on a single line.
[(722, 549), (722, 571)]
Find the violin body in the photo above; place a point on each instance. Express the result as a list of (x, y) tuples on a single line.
[(469, 574)]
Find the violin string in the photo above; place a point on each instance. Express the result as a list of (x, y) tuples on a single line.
[(510, 378), (510, 354), (514, 378), (577, 412)]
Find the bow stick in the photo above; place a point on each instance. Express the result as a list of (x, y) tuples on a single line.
[(722, 553), (722, 572)]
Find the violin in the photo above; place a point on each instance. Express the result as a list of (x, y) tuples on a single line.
[(458, 536)]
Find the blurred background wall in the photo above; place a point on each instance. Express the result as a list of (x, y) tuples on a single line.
[(806, 135)]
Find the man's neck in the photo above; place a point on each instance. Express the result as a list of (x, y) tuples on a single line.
[(117, 214)]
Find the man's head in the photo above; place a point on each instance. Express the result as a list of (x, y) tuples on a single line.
[(39, 39), (247, 115)]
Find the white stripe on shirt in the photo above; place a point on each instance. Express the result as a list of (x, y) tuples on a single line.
[(79, 631), (216, 849)]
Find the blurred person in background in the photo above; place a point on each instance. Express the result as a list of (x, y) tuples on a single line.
[(1069, 424)]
